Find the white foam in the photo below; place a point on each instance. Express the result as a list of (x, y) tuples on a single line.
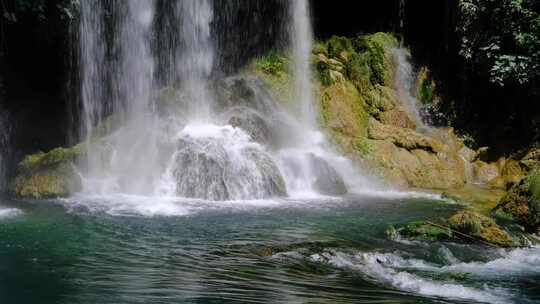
[(515, 262), (382, 268), (148, 206), (522, 261), (9, 212), (395, 194)]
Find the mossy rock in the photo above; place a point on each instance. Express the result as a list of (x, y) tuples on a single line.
[(522, 202), (375, 48), (48, 175), (478, 227), (421, 230), (339, 47), (481, 227), (426, 87)]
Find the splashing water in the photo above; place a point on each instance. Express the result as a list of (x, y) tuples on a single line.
[(404, 82)]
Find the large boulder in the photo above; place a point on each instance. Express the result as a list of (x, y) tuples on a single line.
[(225, 165), (481, 227), (48, 175), (465, 226)]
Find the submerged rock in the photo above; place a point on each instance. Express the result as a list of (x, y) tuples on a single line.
[(48, 175)]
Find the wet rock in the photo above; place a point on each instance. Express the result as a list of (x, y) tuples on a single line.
[(327, 179), (48, 175), (482, 227), (251, 122), (397, 117), (420, 230), (522, 202), (408, 156), (404, 138), (228, 167)]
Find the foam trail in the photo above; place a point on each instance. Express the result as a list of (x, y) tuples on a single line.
[(9, 212), (382, 268)]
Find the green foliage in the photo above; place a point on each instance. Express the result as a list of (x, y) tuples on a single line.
[(374, 56), (504, 37), (273, 64), (323, 73), (320, 48), (338, 45), (423, 231), (426, 92)]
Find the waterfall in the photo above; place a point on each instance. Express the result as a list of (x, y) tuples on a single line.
[(158, 123), (117, 98), (5, 148), (302, 43), (404, 83), (196, 56)]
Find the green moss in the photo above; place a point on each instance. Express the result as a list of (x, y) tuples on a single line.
[(339, 47), (480, 227), (363, 146), (54, 157), (423, 231), (456, 276), (323, 73), (522, 202), (47, 175), (274, 63), (320, 48), (468, 222), (425, 92), (374, 53)]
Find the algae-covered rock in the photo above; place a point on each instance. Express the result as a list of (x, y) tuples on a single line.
[(522, 202), (479, 226), (48, 175), (466, 226), (512, 172), (421, 230), (484, 172)]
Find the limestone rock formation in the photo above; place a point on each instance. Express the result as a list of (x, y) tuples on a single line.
[(48, 175)]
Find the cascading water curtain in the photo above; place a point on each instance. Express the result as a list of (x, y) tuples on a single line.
[(302, 42)]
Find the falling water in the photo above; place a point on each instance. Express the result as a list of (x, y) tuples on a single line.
[(5, 132), (117, 99), (302, 42), (404, 83), (196, 56), (158, 124)]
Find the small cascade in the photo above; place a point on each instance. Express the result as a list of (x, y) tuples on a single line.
[(404, 83)]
